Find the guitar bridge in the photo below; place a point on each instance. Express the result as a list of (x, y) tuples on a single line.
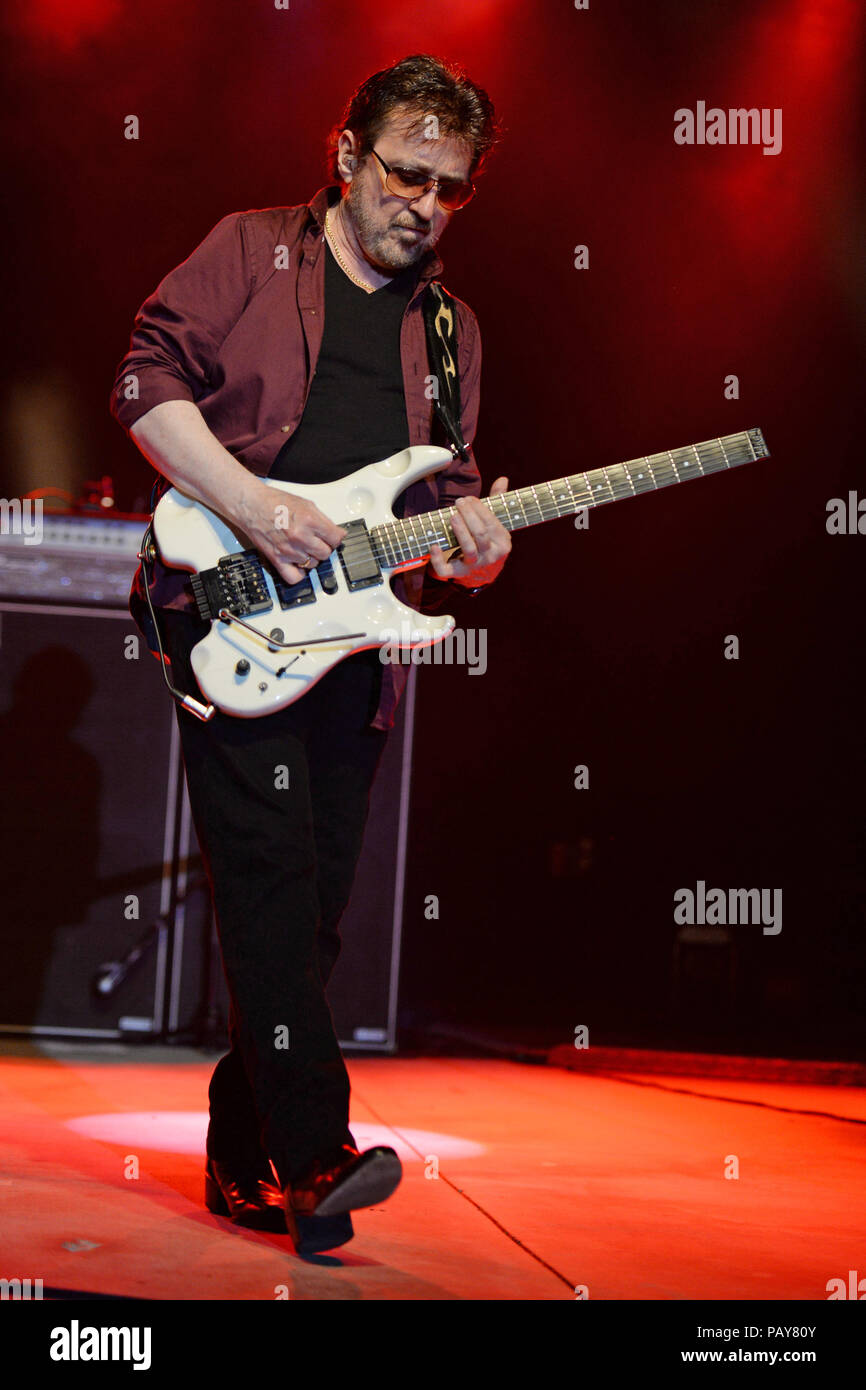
[(237, 583)]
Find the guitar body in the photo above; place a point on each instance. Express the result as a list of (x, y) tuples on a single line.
[(239, 669)]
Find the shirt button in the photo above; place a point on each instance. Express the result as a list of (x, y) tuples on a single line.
[(284, 429)]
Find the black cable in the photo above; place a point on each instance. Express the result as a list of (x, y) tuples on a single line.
[(203, 712)]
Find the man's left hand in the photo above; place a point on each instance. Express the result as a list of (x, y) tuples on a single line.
[(484, 542)]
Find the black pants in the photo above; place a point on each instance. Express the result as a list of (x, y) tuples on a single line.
[(279, 804)]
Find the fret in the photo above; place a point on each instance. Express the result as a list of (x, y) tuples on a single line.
[(396, 536), (514, 520), (640, 476), (562, 497), (621, 486), (641, 473), (380, 541), (435, 527), (448, 539), (662, 472), (622, 483), (409, 539), (599, 487), (637, 479), (538, 506), (714, 463), (688, 459), (746, 449), (583, 498), (382, 547), (513, 503), (554, 500), (388, 543), (521, 520)]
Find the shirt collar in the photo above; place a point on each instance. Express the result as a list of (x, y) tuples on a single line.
[(430, 264)]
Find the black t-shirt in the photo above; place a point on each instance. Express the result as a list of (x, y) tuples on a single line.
[(356, 409)]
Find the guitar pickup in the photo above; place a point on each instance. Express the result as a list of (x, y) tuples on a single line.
[(237, 583), (360, 565)]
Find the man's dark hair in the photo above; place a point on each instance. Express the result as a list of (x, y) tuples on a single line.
[(419, 86)]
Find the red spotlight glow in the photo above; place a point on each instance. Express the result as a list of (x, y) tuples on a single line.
[(67, 23)]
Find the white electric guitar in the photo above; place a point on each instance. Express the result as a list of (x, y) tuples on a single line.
[(270, 641)]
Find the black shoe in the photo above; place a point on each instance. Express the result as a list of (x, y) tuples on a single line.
[(248, 1196), (318, 1201), (340, 1182)]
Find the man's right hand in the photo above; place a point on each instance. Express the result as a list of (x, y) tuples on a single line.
[(287, 530)]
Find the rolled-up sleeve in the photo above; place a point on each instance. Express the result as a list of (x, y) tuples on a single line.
[(179, 329)]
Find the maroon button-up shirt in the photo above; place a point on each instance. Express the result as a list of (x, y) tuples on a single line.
[(237, 328)]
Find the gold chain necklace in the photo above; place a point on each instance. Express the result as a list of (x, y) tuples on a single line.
[(336, 250)]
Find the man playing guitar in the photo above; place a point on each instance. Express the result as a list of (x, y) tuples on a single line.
[(290, 345)]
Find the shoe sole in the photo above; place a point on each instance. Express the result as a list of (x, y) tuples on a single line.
[(368, 1183)]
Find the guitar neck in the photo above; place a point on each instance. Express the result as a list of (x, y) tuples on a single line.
[(411, 538)]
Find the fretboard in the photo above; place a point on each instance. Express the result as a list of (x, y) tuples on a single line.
[(395, 542)]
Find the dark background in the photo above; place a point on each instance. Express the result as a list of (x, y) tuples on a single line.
[(605, 646)]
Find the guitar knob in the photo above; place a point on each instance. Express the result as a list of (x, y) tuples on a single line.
[(243, 667)]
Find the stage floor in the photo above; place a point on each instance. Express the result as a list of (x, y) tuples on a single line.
[(548, 1179)]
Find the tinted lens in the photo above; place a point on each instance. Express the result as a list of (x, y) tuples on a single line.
[(406, 184), (455, 195)]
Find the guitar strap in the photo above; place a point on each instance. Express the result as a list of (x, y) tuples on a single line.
[(440, 325)]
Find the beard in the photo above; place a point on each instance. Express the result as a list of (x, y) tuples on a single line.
[(384, 247)]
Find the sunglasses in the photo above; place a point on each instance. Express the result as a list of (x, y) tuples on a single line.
[(451, 194)]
